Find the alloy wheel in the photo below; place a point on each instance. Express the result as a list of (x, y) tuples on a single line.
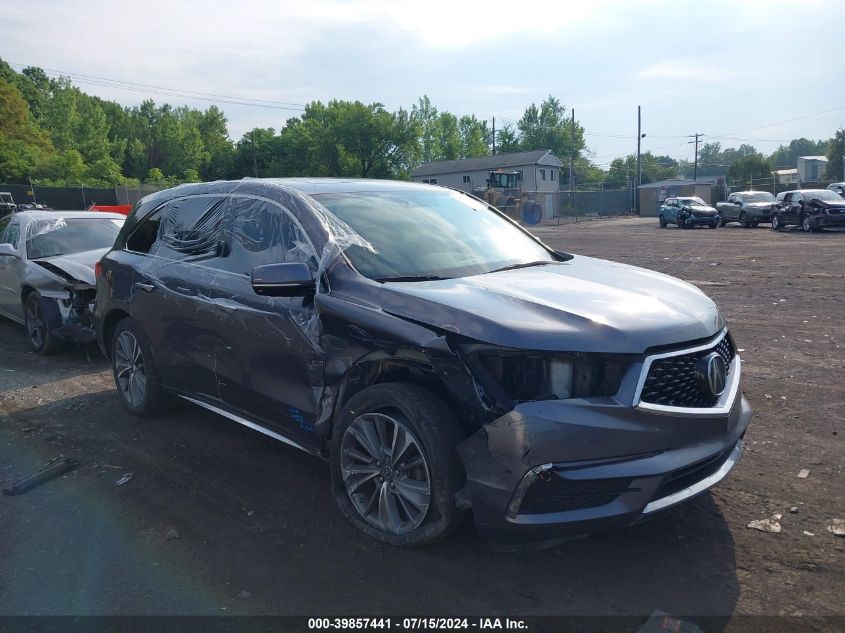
[(130, 369), (385, 473), (36, 328)]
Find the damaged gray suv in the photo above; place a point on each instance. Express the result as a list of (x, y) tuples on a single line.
[(438, 356)]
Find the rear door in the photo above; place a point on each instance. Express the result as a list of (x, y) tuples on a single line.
[(269, 366), (171, 290)]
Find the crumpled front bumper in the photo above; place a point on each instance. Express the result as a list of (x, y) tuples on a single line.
[(554, 470), (692, 220)]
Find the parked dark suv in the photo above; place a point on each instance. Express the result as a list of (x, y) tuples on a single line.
[(435, 353)]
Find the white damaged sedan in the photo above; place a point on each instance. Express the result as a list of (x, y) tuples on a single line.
[(47, 280)]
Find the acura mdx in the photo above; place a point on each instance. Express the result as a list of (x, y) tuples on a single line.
[(436, 354)]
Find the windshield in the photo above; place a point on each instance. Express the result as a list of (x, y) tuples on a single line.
[(62, 236), (430, 234), (693, 200), (761, 196), (825, 194)]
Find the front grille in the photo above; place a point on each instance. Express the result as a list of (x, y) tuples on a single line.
[(556, 494), (685, 477), (671, 381)]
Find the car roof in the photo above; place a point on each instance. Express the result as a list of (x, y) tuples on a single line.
[(38, 214), (745, 192), (310, 186)]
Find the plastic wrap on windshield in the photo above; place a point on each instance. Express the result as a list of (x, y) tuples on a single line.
[(41, 227)]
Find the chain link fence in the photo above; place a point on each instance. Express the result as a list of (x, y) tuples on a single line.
[(80, 197)]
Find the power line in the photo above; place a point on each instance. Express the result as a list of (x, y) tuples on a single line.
[(138, 87)]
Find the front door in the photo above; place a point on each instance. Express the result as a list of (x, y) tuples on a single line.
[(268, 364)]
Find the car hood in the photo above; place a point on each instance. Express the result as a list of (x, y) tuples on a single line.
[(79, 266), (581, 305), (829, 204), (758, 205), (701, 208)]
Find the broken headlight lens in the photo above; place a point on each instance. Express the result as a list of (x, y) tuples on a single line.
[(525, 376)]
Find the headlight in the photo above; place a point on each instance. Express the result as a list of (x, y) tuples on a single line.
[(525, 376)]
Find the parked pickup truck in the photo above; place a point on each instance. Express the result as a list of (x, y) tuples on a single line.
[(749, 208)]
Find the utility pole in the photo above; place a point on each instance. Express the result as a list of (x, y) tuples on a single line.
[(639, 168), (695, 167), (494, 136)]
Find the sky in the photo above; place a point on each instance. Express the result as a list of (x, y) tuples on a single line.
[(755, 71)]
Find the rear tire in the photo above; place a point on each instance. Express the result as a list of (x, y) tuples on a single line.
[(401, 497), (135, 374), (41, 319)]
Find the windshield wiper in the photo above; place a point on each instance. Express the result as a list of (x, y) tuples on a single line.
[(413, 278), (524, 265)]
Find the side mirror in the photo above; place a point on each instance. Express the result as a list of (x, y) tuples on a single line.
[(8, 250), (282, 280)]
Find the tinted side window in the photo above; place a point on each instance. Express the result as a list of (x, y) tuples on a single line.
[(259, 233), (13, 232), (184, 228), (4, 222)]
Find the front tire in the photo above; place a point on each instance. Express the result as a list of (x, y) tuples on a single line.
[(135, 374), (807, 224), (662, 221), (776, 223), (394, 466), (41, 319)]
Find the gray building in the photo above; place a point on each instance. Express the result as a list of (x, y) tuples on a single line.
[(653, 194), (539, 173)]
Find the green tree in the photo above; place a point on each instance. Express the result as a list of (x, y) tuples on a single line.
[(24, 147), (64, 168), (105, 171), (749, 168), (427, 117), (475, 137), (835, 169), (450, 136), (549, 127), (786, 156), (507, 140)]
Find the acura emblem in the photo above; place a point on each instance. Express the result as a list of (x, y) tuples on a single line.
[(711, 373)]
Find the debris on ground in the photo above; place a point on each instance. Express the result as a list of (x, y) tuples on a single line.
[(768, 396), (55, 467), (837, 527), (172, 534), (793, 509), (803, 473), (806, 533), (244, 594), (125, 479), (113, 467), (772, 524)]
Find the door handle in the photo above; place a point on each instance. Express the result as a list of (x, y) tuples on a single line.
[(146, 287)]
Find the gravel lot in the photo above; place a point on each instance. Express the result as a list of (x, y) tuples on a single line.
[(219, 519)]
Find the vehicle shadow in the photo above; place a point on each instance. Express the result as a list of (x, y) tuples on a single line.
[(258, 516)]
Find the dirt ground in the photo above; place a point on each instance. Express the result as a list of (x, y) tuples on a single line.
[(218, 519)]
